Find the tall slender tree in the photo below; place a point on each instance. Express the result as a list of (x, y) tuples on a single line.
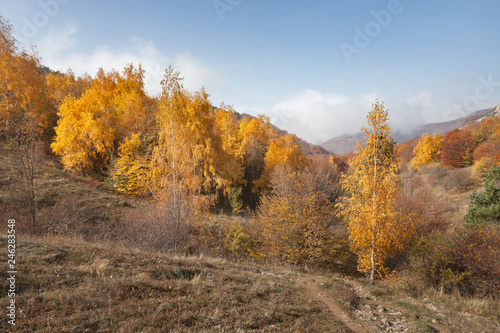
[(369, 206)]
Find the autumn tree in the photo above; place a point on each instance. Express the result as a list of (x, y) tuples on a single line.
[(63, 85), (256, 134), (112, 109), (371, 187), (485, 130), (404, 152), (89, 147), (184, 160), (231, 168), (129, 170), (134, 111), (458, 148), (488, 149), (286, 152), (282, 152), (23, 111), (427, 150), (297, 217)]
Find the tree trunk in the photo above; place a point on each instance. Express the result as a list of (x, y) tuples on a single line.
[(374, 220)]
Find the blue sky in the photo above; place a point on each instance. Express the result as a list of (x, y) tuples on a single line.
[(314, 67)]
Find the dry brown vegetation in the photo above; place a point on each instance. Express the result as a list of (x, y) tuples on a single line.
[(74, 286)]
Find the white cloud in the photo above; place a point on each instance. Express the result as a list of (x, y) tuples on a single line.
[(59, 41), (318, 117), (59, 51)]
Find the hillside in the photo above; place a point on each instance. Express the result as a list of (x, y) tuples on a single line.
[(347, 143), (66, 283)]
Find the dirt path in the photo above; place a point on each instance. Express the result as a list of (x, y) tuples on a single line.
[(312, 285)]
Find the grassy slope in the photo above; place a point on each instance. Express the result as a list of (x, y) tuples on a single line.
[(80, 287)]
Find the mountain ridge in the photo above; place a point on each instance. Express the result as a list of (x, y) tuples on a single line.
[(346, 143)]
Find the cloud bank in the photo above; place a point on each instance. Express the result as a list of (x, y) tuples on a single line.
[(318, 117)]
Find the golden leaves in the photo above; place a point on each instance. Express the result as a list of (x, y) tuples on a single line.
[(92, 125), (427, 150), (369, 206)]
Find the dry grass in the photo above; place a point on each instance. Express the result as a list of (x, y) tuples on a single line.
[(67, 204), (71, 285), (448, 312)]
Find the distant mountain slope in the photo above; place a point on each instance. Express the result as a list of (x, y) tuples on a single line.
[(344, 144), (347, 143)]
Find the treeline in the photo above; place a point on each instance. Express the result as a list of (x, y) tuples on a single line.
[(477, 145)]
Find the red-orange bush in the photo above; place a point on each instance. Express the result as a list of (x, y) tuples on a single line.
[(422, 205), (404, 152), (477, 252), (486, 149), (458, 147), (468, 261)]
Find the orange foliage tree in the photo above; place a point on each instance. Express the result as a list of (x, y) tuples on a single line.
[(113, 108), (369, 206), (458, 147), (404, 151), (486, 149)]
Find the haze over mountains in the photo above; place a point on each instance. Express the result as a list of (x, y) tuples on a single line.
[(346, 143)]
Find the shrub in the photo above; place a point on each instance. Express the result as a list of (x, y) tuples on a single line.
[(150, 228), (419, 202), (298, 218), (468, 261), (458, 180), (477, 253), (239, 242), (235, 199), (482, 167)]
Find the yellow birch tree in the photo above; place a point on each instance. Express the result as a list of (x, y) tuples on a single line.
[(184, 160), (369, 206)]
